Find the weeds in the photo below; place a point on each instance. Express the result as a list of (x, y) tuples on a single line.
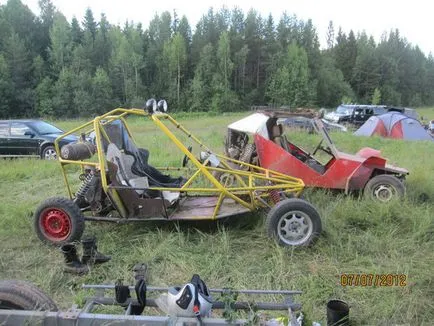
[(359, 236)]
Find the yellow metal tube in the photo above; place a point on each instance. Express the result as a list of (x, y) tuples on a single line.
[(217, 206)]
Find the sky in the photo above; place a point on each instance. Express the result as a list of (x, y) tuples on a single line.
[(412, 18)]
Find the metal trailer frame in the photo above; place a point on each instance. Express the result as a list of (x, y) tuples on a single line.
[(87, 317)]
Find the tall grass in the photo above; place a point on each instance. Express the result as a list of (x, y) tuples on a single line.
[(359, 236)]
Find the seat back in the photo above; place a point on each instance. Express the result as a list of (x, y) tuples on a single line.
[(284, 143), (124, 173), (276, 133)]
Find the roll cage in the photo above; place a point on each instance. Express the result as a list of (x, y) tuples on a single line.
[(263, 122), (252, 188)]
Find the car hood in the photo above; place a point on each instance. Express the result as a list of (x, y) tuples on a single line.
[(366, 154)]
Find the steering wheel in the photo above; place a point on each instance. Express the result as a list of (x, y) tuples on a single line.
[(327, 150), (298, 155), (317, 148), (186, 158)]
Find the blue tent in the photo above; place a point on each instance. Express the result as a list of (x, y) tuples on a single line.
[(394, 125)]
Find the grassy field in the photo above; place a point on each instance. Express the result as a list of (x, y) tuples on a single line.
[(359, 236)]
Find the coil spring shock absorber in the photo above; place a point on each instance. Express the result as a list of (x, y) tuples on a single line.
[(87, 179), (274, 195)]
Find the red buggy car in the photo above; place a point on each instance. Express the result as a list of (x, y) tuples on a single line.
[(367, 170)]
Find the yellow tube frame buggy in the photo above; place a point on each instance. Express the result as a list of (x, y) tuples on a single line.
[(291, 221)]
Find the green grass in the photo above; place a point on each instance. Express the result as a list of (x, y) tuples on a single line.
[(359, 236)]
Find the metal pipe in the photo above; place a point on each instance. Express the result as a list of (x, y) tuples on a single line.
[(161, 289), (242, 305)]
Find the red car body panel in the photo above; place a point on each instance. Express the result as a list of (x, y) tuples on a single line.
[(343, 171)]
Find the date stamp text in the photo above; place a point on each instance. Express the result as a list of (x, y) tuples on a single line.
[(373, 279)]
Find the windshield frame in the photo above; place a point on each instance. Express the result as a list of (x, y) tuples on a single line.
[(321, 130)]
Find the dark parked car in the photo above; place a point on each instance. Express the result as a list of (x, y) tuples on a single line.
[(405, 111), (30, 138), (354, 113), (357, 114)]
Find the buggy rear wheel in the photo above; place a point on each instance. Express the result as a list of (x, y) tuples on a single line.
[(294, 222), (58, 220), (21, 295), (384, 188)]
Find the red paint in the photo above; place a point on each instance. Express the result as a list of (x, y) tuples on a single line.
[(56, 224), (343, 171), (368, 152)]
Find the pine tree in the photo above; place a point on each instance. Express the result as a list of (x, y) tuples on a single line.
[(6, 91), (289, 85), (83, 101), (76, 32), (89, 23), (61, 44), (102, 93), (201, 91), (366, 70), (376, 97), (47, 10), (20, 71), (331, 86), (224, 98), (44, 98), (330, 36), (346, 54), (176, 53), (63, 97)]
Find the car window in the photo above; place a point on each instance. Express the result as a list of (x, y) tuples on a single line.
[(4, 129), (369, 111), (44, 128), (379, 110), (18, 129), (344, 109)]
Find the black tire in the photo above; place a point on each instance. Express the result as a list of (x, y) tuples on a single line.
[(58, 220), (49, 153), (384, 187), (305, 221), (21, 295)]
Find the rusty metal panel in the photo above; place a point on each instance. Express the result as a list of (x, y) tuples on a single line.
[(203, 208)]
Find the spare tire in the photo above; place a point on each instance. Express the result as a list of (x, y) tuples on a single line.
[(22, 295)]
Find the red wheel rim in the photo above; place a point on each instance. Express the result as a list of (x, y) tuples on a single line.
[(55, 224)]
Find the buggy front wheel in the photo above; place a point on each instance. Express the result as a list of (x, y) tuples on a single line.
[(294, 222), (384, 188), (58, 220)]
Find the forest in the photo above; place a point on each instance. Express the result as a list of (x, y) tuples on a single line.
[(229, 61)]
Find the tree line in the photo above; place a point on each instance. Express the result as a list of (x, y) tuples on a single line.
[(50, 66)]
